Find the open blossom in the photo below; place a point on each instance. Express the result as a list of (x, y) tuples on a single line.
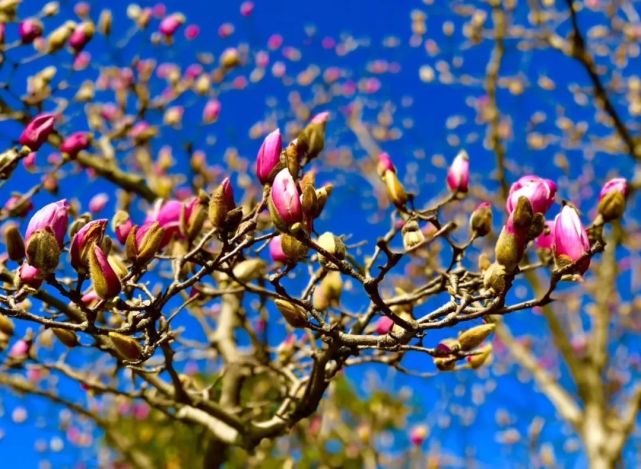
[(571, 241), (37, 131), (540, 192), (458, 174), (285, 200), (269, 156), (53, 217), (75, 143)]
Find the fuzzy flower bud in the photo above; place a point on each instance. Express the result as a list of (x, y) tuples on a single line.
[(481, 219), (170, 24), (221, 204), (106, 282), (53, 217), (30, 275), (612, 199), (276, 250), (121, 224), (83, 241), (29, 30), (294, 314), (14, 242)]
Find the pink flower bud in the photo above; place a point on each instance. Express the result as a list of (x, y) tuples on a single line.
[(211, 111), (619, 185), (106, 282), (546, 239), (384, 325), (418, 433), (52, 217), (225, 30), (320, 118), (540, 192), (571, 241), (458, 175), (29, 30), (82, 60), (17, 206), (192, 32), (170, 24), (20, 349), (37, 131), (30, 275), (122, 226), (276, 251), (75, 143), (81, 35), (285, 200), (29, 162), (98, 202), (246, 8), (82, 241), (269, 156), (385, 163), (275, 41)]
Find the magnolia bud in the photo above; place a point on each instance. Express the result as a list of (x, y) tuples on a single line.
[(293, 248), (447, 347), (37, 131), (329, 291), (481, 219), (475, 336), (294, 314), (83, 241), (522, 213), (121, 224), (612, 199), (221, 202), (395, 190), (412, 235), (106, 282), (332, 244), (67, 337), (537, 226), (445, 363), (143, 243), (250, 269), (59, 36), (479, 359), (6, 325), (15, 243), (313, 136), (284, 201), (43, 252), (127, 347), (494, 278), (508, 249), (267, 161), (458, 174)]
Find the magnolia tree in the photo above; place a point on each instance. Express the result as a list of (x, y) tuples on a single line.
[(211, 310)]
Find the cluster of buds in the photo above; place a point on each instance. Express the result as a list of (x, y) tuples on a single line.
[(467, 345)]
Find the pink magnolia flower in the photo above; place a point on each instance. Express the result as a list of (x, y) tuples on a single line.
[(75, 143), (286, 199), (540, 192), (418, 433), (80, 36), (29, 30), (20, 349), (37, 131), (619, 185), (269, 156), (53, 217), (89, 234), (458, 175), (122, 230), (98, 202), (211, 111), (546, 239), (246, 8), (168, 216), (571, 241), (276, 250), (192, 32), (320, 118), (385, 163), (384, 325), (30, 275), (170, 24), (106, 281)]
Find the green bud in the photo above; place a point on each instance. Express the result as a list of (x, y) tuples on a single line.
[(475, 336), (66, 336), (15, 243), (294, 314), (127, 347), (43, 251)]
